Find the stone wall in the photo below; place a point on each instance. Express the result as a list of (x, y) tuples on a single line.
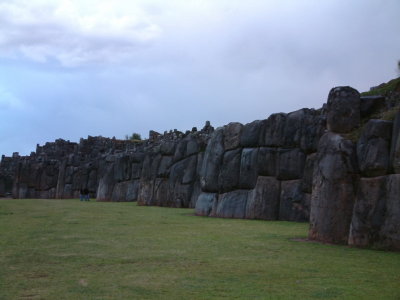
[(261, 170), (337, 167), (355, 194), (163, 171)]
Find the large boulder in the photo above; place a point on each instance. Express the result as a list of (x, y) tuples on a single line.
[(263, 200), (192, 146), (333, 193), (146, 192), (369, 212), (370, 104), (136, 169), (212, 162), (390, 231), (125, 191), (294, 204), (343, 109), (231, 205), (376, 217), (303, 129), (251, 134), (164, 167), (395, 145), (232, 135), (267, 161), (272, 131), (106, 184), (230, 170), (298, 129), (167, 148), (205, 203), (180, 151), (308, 174), (373, 148), (122, 169), (290, 164), (189, 174), (160, 195), (179, 195), (248, 168)]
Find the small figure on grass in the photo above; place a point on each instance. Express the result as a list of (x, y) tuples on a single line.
[(86, 194), (82, 195)]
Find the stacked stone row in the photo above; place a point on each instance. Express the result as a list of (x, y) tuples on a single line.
[(163, 174), (261, 170)]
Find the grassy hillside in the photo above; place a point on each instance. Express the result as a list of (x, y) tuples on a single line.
[(385, 89), (66, 249)]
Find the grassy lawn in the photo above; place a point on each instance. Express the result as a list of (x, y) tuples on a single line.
[(66, 249)]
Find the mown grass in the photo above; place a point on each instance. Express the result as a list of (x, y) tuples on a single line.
[(66, 249)]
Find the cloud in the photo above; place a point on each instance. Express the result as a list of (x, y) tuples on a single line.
[(8, 101), (63, 32), (116, 67)]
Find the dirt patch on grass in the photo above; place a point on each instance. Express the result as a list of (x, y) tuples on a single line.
[(305, 240)]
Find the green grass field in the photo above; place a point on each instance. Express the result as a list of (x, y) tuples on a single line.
[(66, 249)]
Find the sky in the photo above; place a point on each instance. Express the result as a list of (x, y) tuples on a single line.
[(73, 68)]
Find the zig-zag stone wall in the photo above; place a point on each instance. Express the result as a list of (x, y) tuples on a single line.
[(335, 167)]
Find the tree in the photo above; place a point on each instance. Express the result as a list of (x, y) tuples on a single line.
[(134, 137), (398, 67)]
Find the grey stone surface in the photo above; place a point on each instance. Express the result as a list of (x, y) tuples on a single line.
[(189, 174), (395, 146), (228, 179), (294, 203), (266, 169), (290, 164), (232, 135), (390, 231), (370, 104), (333, 189), (164, 167), (248, 168), (373, 148), (267, 161), (343, 109), (232, 205), (205, 203), (180, 151), (376, 216), (263, 200), (369, 212), (299, 129), (212, 162), (251, 134), (146, 192), (308, 174), (272, 131), (160, 195), (192, 147)]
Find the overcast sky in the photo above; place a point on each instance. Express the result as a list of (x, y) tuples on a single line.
[(73, 68)]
